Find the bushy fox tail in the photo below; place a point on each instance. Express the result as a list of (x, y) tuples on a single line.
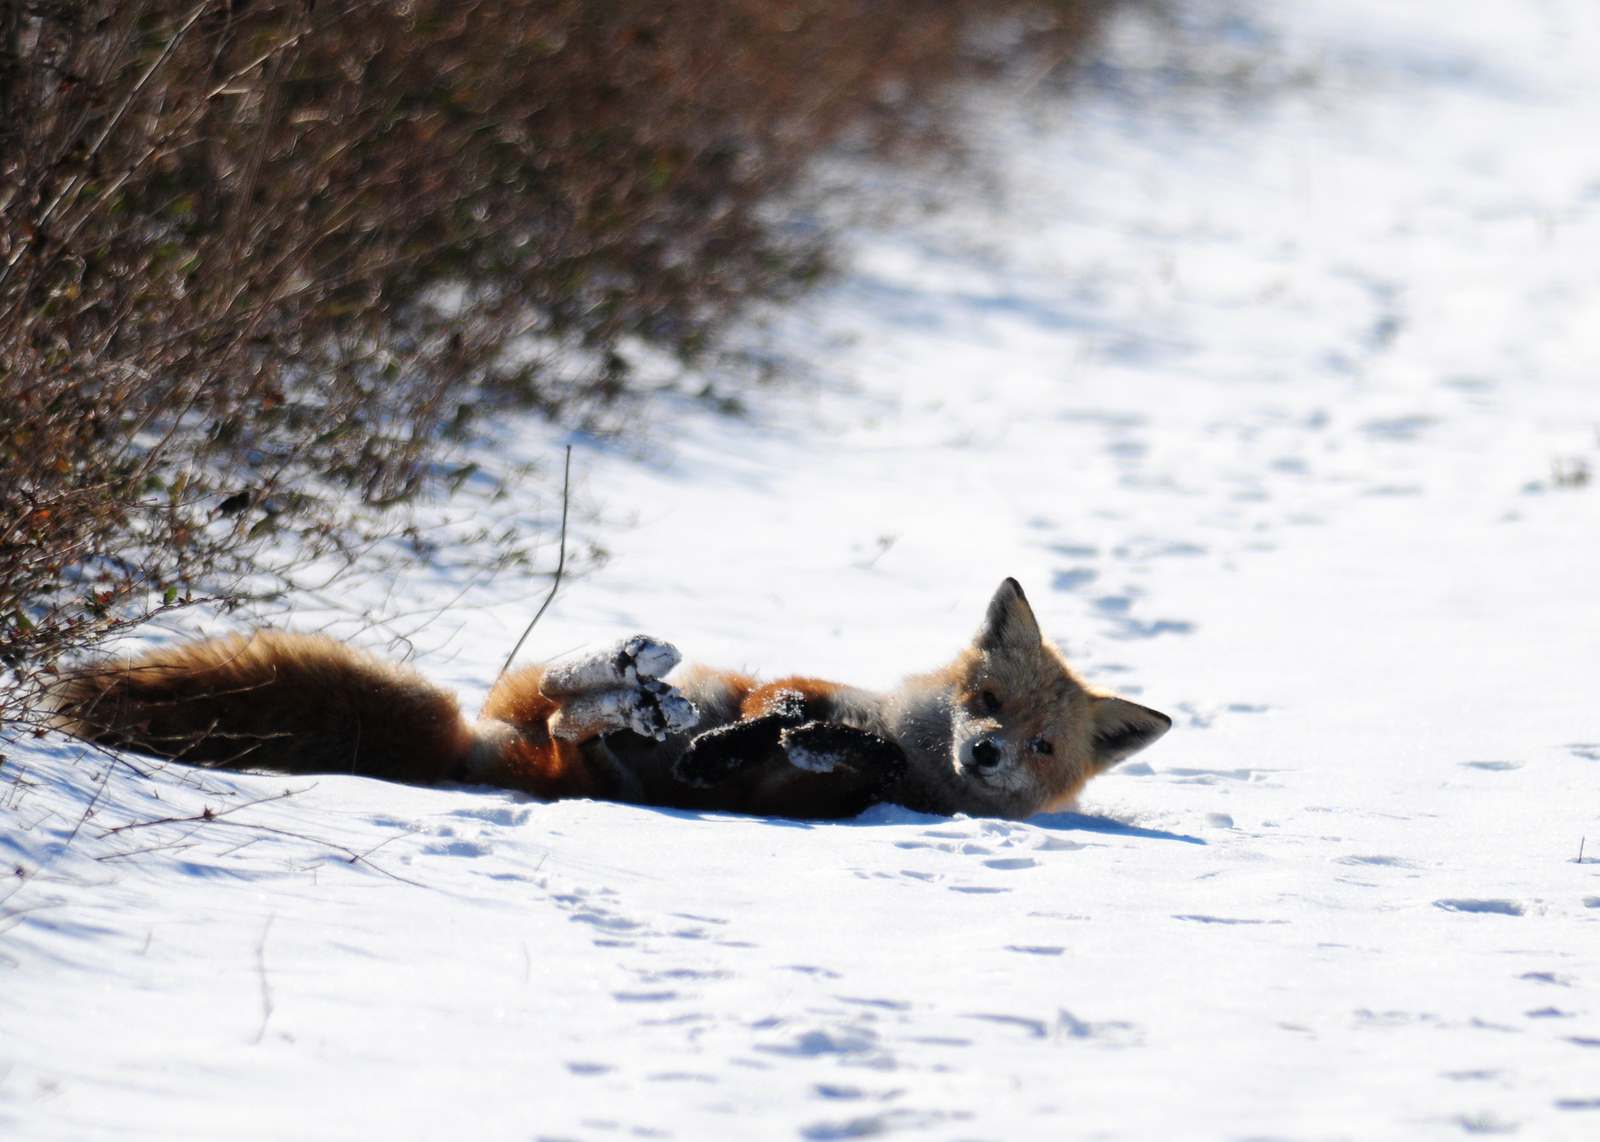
[(294, 703)]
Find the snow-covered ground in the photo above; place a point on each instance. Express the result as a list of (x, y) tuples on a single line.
[(1260, 384)]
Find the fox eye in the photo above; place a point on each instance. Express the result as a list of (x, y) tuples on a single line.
[(990, 702), (1042, 746)]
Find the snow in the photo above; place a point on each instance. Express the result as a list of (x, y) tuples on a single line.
[(812, 760), (1259, 380)]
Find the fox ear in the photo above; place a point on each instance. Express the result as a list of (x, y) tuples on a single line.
[(1010, 623), (1122, 728)]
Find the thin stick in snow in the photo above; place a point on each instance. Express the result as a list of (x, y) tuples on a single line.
[(266, 990), (89, 812), (380, 844), (561, 563), (209, 817), (207, 814)]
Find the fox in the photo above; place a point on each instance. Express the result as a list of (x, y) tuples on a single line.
[(1005, 730)]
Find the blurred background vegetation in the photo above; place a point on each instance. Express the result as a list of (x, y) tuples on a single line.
[(262, 260)]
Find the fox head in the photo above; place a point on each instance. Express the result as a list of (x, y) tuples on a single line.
[(1025, 733)]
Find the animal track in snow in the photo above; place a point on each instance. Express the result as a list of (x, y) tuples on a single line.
[(1059, 845), (505, 816), (685, 974), (1065, 1027), (811, 969), (876, 1124), (1496, 907), (995, 835), (1036, 1028), (579, 1068), (885, 1004), (1134, 628), (852, 1093), (605, 920), (852, 1040), (1549, 977), (1400, 428), (1213, 776), (1072, 579), (968, 849), (581, 910), (458, 849)]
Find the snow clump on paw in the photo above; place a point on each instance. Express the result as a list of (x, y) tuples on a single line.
[(673, 713), (812, 760), (631, 662)]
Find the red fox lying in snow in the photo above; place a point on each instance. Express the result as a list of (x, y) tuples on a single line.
[(1005, 730)]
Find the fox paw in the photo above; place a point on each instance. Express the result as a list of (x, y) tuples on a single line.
[(861, 759), (716, 755), (661, 710), (629, 664), (655, 710), (823, 747), (619, 688)]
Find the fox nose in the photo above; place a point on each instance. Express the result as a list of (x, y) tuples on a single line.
[(985, 754)]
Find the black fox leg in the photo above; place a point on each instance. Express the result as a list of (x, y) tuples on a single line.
[(829, 747), (717, 755), (822, 771), (853, 757)]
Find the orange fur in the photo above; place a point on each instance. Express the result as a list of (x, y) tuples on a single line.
[(247, 700), (818, 695), (549, 770), (532, 760), (516, 699)]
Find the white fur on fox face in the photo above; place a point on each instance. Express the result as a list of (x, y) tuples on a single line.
[(965, 731)]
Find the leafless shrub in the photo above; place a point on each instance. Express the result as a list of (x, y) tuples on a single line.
[(261, 260)]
